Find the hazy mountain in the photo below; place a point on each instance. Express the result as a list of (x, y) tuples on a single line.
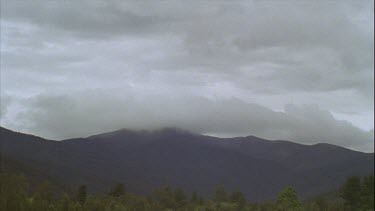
[(145, 160)]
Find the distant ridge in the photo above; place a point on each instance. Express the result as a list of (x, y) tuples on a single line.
[(145, 160)]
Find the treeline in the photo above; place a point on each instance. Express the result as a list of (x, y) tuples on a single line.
[(15, 195)]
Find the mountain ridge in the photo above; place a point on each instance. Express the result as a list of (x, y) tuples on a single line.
[(187, 132), (145, 160)]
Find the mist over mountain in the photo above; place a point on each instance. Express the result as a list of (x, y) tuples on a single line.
[(146, 160)]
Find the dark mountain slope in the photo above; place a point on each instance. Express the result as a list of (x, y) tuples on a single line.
[(311, 166), (34, 175), (146, 160)]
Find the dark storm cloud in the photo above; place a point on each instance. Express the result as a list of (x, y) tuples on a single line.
[(237, 57)]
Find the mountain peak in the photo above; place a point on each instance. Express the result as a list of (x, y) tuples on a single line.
[(147, 160), (173, 131), (166, 131)]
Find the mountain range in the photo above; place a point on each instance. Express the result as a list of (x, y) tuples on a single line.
[(146, 160)]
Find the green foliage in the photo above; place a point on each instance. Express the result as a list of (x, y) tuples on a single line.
[(288, 200), (237, 197), (15, 195), (220, 194), (164, 197), (351, 192), (180, 198), (194, 197), (81, 194), (367, 193), (312, 206)]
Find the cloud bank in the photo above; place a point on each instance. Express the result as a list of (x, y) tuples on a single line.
[(92, 112)]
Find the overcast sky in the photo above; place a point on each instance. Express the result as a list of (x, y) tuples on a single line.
[(293, 70)]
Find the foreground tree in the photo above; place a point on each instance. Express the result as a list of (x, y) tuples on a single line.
[(165, 197), (16, 196), (180, 198), (194, 197), (81, 194), (117, 190), (220, 194), (351, 192), (288, 200), (13, 195), (238, 198), (367, 193)]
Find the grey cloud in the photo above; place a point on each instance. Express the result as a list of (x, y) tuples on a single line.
[(4, 104), (96, 111), (89, 19), (231, 38)]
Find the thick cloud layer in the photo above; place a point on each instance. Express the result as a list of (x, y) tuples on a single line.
[(93, 112), (281, 70)]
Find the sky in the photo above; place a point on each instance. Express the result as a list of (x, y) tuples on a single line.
[(289, 70)]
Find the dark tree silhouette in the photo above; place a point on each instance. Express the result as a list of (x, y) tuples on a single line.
[(82, 194), (351, 192), (220, 194), (117, 190)]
